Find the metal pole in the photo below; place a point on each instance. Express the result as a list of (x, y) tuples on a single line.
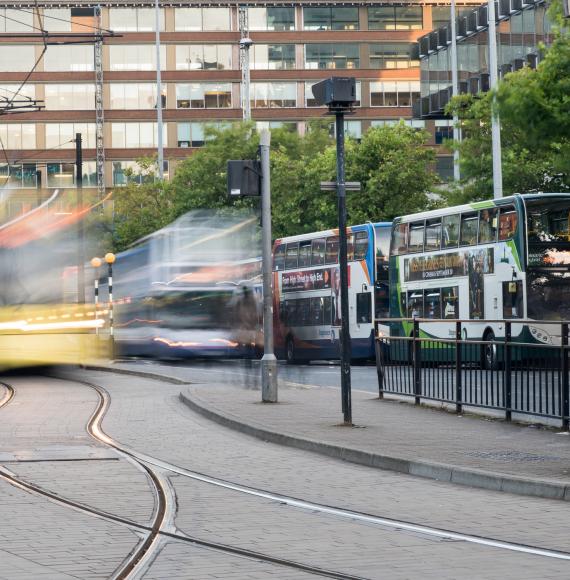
[(96, 289), (455, 88), (345, 350), (80, 223), (159, 95), (111, 322), (268, 362), (495, 123)]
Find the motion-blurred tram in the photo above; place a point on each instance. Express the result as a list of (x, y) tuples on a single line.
[(42, 319), (190, 290)]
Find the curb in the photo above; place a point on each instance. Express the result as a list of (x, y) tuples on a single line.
[(142, 374), (437, 471)]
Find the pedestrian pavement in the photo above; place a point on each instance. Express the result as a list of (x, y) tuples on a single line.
[(388, 434)]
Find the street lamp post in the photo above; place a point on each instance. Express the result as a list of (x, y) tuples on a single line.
[(96, 264), (110, 259)]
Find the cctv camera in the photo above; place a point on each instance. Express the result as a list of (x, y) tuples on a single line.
[(245, 42)]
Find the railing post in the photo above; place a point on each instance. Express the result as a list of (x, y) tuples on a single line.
[(458, 370), (564, 395), (380, 362), (416, 362), (507, 372)]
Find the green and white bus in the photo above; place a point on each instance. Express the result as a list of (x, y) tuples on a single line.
[(483, 263)]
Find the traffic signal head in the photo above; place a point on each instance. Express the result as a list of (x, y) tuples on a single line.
[(336, 92)]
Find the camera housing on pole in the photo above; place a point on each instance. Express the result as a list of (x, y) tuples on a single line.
[(244, 178), (339, 95)]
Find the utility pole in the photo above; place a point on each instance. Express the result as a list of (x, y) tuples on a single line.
[(244, 45), (269, 361), (455, 88), (80, 222), (159, 95), (495, 122)]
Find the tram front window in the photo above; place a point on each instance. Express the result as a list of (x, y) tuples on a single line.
[(548, 295)]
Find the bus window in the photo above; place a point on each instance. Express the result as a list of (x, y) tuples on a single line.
[(433, 235), (331, 256), (304, 312), (317, 311), (487, 226), (403, 308), (432, 301), (360, 245), (327, 310), (304, 254), (450, 231), (468, 229), (507, 222), (416, 237), (279, 257), (399, 239), (381, 300), (318, 252), (449, 302), (512, 299), (415, 304), (363, 308), (292, 257), (350, 247)]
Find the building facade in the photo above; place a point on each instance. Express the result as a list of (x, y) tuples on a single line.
[(522, 26), (295, 45)]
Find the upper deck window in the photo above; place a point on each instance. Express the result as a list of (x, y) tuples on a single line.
[(487, 225), (318, 252), (332, 250), (305, 254), (279, 257), (360, 245), (399, 239), (450, 231), (433, 235), (508, 220), (468, 229), (292, 257), (416, 237)]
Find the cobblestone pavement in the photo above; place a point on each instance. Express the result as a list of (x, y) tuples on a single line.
[(40, 539)]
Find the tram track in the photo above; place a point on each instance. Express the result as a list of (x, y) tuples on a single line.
[(163, 524)]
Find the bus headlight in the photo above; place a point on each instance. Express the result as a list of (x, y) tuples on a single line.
[(540, 335)]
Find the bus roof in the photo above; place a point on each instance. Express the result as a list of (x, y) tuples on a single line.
[(476, 205), (331, 232)]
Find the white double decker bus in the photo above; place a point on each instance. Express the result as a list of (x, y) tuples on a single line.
[(483, 263)]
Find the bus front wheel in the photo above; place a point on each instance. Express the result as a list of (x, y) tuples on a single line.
[(489, 354), (290, 351)]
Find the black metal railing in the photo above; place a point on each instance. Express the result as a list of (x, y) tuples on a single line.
[(527, 374)]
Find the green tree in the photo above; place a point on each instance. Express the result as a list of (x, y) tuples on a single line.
[(142, 206), (534, 110)]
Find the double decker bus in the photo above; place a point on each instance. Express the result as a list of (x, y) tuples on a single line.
[(307, 292), (484, 263)]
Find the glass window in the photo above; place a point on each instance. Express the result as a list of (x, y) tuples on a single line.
[(130, 172), (134, 19), (204, 96), (330, 18), (415, 304), (450, 231), (203, 56), (272, 95), (416, 237), (135, 135), (62, 58), (17, 58), (135, 56), (332, 56), (318, 252), (62, 135), (432, 301), (60, 175), (381, 300), (360, 245), (19, 176), (279, 257), (12, 20), (433, 234), (317, 311), (468, 229), (292, 257), (363, 308), (487, 225), (408, 17), (191, 134), (332, 250), (444, 167), (507, 222), (272, 18), (392, 55), (450, 302), (393, 93), (18, 136), (273, 56), (73, 96), (305, 254), (216, 19), (57, 19), (350, 247), (135, 96), (187, 19), (399, 243), (513, 299)]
